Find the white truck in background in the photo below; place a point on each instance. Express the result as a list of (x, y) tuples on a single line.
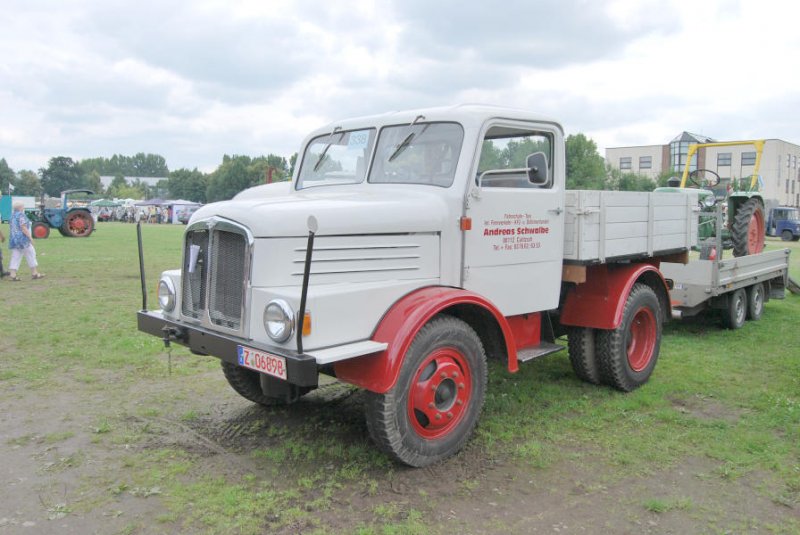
[(409, 248)]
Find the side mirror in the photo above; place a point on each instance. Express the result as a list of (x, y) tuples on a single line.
[(537, 168)]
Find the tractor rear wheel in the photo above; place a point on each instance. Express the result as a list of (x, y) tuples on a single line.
[(247, 384), (748, 228), (627, 355), (78, 224), (432, 409), (40, 230)]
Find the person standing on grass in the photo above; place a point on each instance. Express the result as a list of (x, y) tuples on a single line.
[(3, 273), (21, 244)]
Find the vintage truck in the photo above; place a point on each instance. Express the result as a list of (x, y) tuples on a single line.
[(409, 248)]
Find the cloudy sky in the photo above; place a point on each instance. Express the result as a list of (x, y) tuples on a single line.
[(193, 80)]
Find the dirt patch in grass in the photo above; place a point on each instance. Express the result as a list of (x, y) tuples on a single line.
[(706, 408)]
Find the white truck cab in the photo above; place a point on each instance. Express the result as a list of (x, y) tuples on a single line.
[(407, 249)]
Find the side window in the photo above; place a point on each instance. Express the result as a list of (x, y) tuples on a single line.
[(504, 158)]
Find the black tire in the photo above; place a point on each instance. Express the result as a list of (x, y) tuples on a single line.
[(582, 355), (247, 383), (755, 301), (433, 408), (40, 231), (747, 231), (78, 224), (627, 355), (787, 235), (736, 312)]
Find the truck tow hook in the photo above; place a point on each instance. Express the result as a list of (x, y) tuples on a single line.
[(170, 333)]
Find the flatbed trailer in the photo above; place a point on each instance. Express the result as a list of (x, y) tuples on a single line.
[(739, 286)]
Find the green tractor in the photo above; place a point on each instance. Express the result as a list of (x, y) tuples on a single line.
[(71, 221), (745, 226)]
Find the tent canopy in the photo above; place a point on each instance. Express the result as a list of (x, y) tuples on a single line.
[(104, 203), (151, 202)]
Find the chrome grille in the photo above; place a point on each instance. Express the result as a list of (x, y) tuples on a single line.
[(216, 260)]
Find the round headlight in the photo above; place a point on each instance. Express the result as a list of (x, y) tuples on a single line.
[(279, 320), (710, 201), (166, 294)]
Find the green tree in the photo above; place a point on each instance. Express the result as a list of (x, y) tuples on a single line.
[(188, 185), (118, 184), (61, 173), (28, 183), (585, 167), (93, 182), (6, 177), (237, 173), (292, 164), (619, 181)]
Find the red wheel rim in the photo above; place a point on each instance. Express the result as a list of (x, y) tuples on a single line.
[(641, 339), (440, 393), (39, 231), (755, 233)]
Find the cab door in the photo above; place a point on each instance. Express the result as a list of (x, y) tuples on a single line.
[(514, 250)]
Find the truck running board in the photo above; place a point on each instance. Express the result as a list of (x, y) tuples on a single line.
[(544, 348)]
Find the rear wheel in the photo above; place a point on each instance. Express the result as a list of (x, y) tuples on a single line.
[(247, 384), (755, 301), (40, 230), (78, 224), (748, 228), (736, 312), (627, 355), (431, 411), (582, 355)]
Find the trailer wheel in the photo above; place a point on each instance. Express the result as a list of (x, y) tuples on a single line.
[(736, 312), (582, 355), (431, 411), (627, 355), (40, 230), (747, 231), (755, 301), (787, 235), (247, 383)]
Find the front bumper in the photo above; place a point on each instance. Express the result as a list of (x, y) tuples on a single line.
[(301, 369)]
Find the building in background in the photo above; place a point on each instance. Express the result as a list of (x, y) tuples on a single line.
[(780, 171)]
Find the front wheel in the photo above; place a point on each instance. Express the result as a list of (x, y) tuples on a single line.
[(433, 408), (40, 230), (248, 384), (627, 355), (787, 235)]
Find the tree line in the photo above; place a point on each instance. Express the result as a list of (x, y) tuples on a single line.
[(233, 175), (586, 169)]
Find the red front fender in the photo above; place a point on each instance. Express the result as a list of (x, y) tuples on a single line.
[(379, 372)]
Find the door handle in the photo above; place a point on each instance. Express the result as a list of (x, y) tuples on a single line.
[(556, 211)]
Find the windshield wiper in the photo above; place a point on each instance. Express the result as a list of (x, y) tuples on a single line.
[(407, 140), (325, 150)]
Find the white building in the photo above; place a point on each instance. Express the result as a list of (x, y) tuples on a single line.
[(779, 171)]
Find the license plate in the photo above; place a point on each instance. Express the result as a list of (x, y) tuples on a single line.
[(262, 361)]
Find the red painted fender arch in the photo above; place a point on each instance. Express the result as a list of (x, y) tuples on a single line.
[(379, 372), (599, 302)]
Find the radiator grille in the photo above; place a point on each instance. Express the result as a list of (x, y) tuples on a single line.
[(214, 271)]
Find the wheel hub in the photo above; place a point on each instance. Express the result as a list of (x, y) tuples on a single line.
[(641, 339), (440, 393)]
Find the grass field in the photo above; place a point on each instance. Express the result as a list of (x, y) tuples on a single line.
[(105, 431)]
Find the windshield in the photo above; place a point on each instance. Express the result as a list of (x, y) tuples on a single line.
[(337, 158), (422, 153)]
